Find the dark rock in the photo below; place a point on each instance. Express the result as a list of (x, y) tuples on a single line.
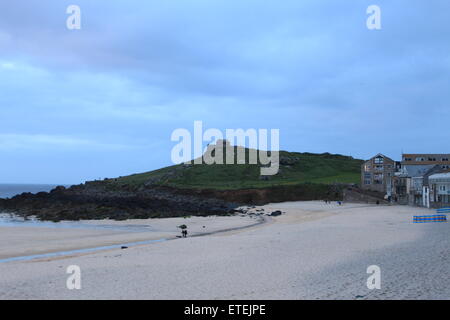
[(95, 201), (58, 189)]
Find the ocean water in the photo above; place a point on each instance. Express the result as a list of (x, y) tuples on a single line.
[(10, 190)]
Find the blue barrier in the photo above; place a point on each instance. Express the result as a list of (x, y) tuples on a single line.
[(443, 210), (432, 218)]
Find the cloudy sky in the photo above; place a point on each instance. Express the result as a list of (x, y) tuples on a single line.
[(102, 101)]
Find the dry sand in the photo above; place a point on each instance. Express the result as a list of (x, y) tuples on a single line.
[(313, 251)]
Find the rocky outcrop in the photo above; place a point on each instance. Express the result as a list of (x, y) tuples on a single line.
[(357, 195), (261, 196), (91, 201), (100, 200)]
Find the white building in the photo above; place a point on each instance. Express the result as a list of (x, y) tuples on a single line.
[(440, 188)]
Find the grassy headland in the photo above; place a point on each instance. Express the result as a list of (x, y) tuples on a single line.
[(295, 168)]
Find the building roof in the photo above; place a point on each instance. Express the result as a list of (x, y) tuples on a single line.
[(445, 175), (426, 154), (414, 170), (380, 155), (439, 158)]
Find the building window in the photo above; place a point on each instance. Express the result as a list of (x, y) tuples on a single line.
[(378, 178), (379, 160), (444, 159)]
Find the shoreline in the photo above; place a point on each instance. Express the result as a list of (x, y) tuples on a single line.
[(84, 251), (117, 235)]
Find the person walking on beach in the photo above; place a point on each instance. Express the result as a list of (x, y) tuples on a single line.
[(183, 228)]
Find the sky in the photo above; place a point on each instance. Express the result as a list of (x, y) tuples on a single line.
[(103, 101)]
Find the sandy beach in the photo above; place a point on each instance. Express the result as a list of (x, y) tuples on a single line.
[(51, 237), (313, 251)]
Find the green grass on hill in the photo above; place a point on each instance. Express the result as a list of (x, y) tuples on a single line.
[(295, 168)]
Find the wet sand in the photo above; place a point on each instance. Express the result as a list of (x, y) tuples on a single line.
[(67, 236)]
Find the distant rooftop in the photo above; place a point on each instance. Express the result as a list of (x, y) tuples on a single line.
[(445, 175), (426, 158), (414, 170)]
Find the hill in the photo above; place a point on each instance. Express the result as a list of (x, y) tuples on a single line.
[(295, 168)]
